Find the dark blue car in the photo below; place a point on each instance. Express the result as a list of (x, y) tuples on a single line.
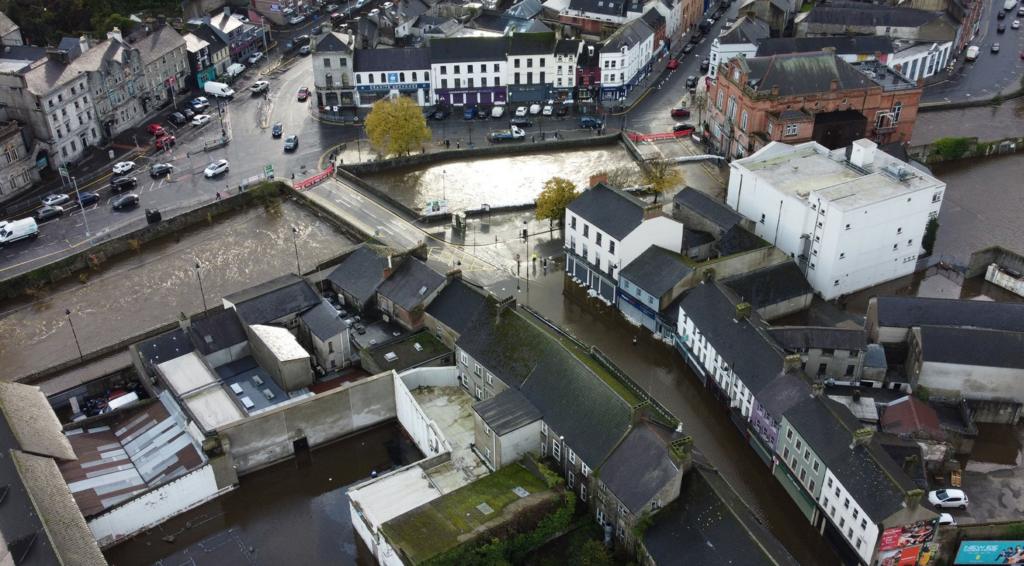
[(470, 113), (86, 198)]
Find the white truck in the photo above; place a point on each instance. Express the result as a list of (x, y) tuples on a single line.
[(18, 230), (218, 89), (1009, 5), (972, 53)]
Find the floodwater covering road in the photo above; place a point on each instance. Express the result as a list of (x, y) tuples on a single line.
[(144, 290), (498, 181)]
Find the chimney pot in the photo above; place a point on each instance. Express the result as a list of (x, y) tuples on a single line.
[(115, 34), (743, 311)]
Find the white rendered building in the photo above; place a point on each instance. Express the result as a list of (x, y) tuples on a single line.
[(852, 217)]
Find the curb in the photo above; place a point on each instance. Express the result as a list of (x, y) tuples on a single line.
[(975, 103)]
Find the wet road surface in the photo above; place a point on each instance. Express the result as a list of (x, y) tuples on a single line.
[(284, 514), (139, 292)]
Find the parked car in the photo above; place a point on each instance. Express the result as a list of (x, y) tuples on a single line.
[(122, 167), (947, 519), (201, 120), (122, 184), (995, 47), (259, 87), (498, 111), (165, 142), (48, 213), (521, 111), (688, 48), (303, 94), (441, 113), (484, 111), (561, 110), (216, 168), (188, 113), (469, 112), (590, 122), (548, 110), (683, 129), (691, 82), (1015, 24), (55, 199), (127, 200), (177, 118), (297, 19), (300, 40), (534, 109), (277, 130), (680, 113), (305, 50), (705, 65), (520, 122), (291, 143), (256, 57), (155, 130), (948, 499), (673, 64), (200, 103), (160, 169), (85, 198)]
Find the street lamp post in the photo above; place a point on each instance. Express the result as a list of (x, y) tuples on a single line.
[(67, 313), (201, 291), (74, 182), (526, 232), (295, 243)]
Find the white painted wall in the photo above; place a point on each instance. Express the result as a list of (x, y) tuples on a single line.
[(659, 231), (424, 431), (974, 382), (998, 277), (846, 517), (721, 53), (155, 507)]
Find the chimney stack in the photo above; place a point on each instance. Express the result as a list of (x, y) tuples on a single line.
[(83, 43), (834, 85), (227, 11), (791, 362), (856, 395), (389, 268), (115, 34), (775, 90), (862, 437), (743, 311)]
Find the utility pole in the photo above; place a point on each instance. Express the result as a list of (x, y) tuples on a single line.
[(67, 313), (201, 291), (295, 243), (74, 181)]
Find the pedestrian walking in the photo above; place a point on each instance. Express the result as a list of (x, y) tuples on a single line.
[(458, 144), (218, 195), (447, 144)]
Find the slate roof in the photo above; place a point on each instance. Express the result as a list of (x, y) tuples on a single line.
[(323, 321), (972, 346), (640, 466), (657, 270), (525, 9), (782, 392), (531, 44), (411, 283), (360, 273), (7, 25), (843, 45), (738, 239), (467, 49), (747, 29), (159, 43), (216, 331), (653, 19), (693, 238), (194, 43), (629, 35), (606, 7), (915, 311), (404, 59), (334, 41), (567, 47), (866, 471), (71, 45), (749, 352), (863, 14), (274, 299), (507, 411), (770, 285), (802, 338), (209, 36), (32, 421), (707, 207), (699, 527), (574, 401), (458, 304), (804, 73), (909, 416), (166, 346), (612, 211)]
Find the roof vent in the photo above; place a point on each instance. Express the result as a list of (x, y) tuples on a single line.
[(423, 290), (417, 347), (391, 356)]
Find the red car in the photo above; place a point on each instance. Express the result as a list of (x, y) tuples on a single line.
[(683, 129), (672, 64), (165, 142), (156, 130), (680, 113), (303, 94)]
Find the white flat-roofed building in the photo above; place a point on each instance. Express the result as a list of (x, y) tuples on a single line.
[(852, 217), (278, 352)]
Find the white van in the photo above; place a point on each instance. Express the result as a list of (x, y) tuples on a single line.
[(234, 70), (972, 53), (18, 230), (218, 89)]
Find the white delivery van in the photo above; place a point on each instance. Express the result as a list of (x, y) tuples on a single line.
[(18, 230), (218, 89), (234, 70), (972, 53)]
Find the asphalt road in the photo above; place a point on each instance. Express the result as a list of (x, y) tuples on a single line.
[(992, 72)]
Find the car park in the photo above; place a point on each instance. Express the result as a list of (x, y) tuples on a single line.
[(177, 118), (303, 94), (55, 199), (673, 63), (259, 87), (521, 111), (122, 167), (155, 130), (48, 213), (127, 200), (256, 57), (122, 184), (85, 198), (680, 113), (201, 120), (683, 129), (291, 143), (948, 499), (216, 168), (277, 130), (160, 169), (590, 122)]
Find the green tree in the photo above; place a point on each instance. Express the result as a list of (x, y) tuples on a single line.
[(556, 195), (396, 126), (931, 231), (591, 553), (660, 176), (951, 148)]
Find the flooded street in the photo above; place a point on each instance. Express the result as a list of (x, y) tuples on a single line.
[(499, 181), (280, 515), (144, 290), (983, 206)]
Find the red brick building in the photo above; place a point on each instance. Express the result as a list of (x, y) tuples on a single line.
[(800, 97)]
